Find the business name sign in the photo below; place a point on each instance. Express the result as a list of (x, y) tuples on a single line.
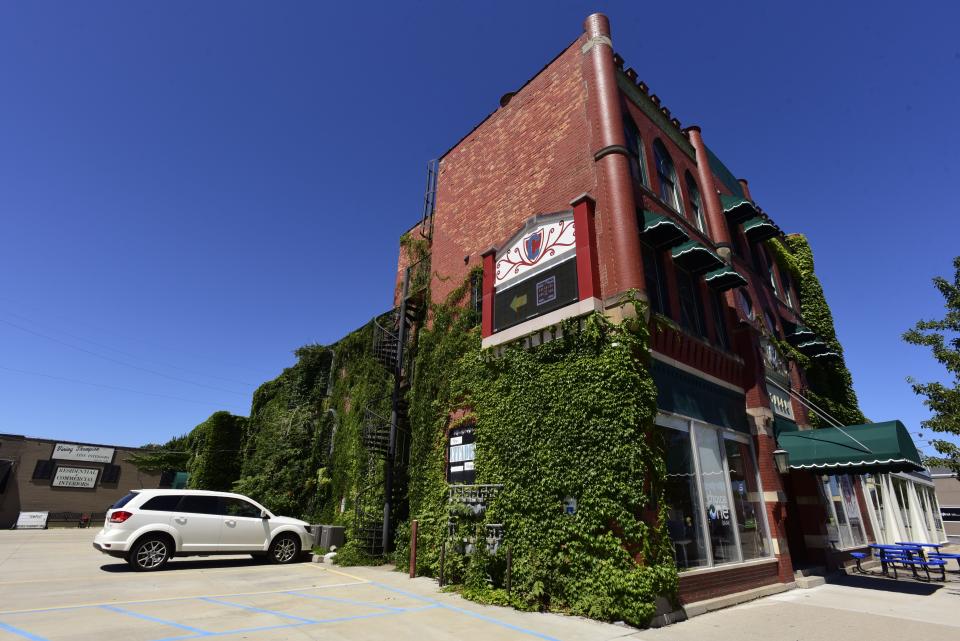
[(32, 521), (83, 477), (86, 453), (780, 403)]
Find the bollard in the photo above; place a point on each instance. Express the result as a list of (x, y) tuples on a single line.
[(509, 568), (443, 560), (413, 549)]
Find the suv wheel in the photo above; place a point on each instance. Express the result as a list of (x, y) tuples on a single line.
[(149, 553), (284, 549)]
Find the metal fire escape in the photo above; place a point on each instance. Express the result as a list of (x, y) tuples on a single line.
[(386, 439)]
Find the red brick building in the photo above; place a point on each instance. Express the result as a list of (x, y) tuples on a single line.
[(582, 187)]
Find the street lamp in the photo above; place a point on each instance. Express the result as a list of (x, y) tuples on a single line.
[(781, 459)]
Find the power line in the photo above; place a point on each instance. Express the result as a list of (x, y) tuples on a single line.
[(120, 351), (119, 362), (103, 385)]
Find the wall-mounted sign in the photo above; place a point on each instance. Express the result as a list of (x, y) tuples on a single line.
[(569, 505), (32, 521), (543, 292), (85, 453), (550, 240), (780, 402), (83, 477), (461, 448)]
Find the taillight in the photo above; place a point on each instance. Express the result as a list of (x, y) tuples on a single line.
[(120, 516)]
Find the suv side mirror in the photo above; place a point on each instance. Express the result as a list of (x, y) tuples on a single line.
[(264, 515)]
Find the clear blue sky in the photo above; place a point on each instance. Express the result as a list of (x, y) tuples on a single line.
[(191, 190)]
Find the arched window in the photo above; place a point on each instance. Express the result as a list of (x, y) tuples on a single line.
[(667, 176), (638, 166), (696, 204)]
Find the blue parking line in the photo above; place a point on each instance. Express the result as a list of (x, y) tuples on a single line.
[(367, 604), (147, 617), (255, 609), (20, 633), (475, 615)]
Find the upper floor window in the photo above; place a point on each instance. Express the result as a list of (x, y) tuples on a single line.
[(773, 275), (655, 281), (787, 296), (667, 176), (696, 204), (691, 307), (638, 165)]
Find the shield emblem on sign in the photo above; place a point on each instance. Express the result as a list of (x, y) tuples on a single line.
[(533, 244)]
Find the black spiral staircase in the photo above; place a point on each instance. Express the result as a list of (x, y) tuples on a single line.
[(386, 438)]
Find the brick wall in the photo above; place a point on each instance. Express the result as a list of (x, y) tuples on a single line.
[(529, 157), (707, 585)]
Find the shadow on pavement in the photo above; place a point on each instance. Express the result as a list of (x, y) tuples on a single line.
[(883, 584), (192, 563)]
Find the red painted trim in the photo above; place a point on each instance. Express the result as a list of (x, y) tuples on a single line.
[(486, 325), (588, 274)]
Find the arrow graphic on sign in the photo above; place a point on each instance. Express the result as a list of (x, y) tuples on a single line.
[(518, 302)]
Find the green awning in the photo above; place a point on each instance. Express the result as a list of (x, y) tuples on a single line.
[(724, 278), (759, 228), (696, 258), (828, 355), (738, 210), (813, 347), (661, 231), (797, 333), (873, 448)]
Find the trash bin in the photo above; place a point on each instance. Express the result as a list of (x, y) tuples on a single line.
[(331, 535)]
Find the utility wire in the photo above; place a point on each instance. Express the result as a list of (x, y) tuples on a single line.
[(104, 386), (119, 362), (120, 351)]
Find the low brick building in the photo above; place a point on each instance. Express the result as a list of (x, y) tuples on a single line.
[(65, 479)]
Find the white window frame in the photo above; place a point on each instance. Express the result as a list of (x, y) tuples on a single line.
[(686, 424), (831, 511)]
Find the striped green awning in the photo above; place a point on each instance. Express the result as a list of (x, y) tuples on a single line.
[(760, 228), (695, 257), (870, 448), (724, 278), (826, 356), (738, 210), (661, 231)]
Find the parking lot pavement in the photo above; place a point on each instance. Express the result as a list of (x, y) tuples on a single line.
[(55, 587)]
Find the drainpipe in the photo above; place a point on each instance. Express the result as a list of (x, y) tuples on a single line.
[(618, 212), (719, 231)]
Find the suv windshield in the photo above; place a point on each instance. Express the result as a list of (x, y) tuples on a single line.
[(123, 501)]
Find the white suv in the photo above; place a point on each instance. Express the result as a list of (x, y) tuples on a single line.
[(147, 527)]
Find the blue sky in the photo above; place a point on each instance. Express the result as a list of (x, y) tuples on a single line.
[(191, 190)]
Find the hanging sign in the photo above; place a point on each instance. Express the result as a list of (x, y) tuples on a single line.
[(82, 477), (85, 453), (780, 402)]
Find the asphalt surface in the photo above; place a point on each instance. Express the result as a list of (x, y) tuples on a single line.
[(55, 587)]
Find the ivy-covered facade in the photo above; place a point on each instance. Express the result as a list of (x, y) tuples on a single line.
[(601, 350)]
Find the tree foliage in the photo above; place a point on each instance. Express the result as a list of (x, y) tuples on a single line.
[(216, 452), (942, 336)]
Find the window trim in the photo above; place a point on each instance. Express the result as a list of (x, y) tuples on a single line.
[(661, 154), (696, 203), (831, 510)]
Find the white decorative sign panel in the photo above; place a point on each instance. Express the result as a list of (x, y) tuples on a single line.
[(780, 403), (85, 477), (539, 247), (87, 453), (32, 521)]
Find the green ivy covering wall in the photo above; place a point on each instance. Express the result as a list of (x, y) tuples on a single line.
[(216, 445), (830, 382), (570, 418)]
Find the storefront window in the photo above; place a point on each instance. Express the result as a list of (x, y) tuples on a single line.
[(845, 524), (747, 500), (683, 500), (716, 511), (900, 487)]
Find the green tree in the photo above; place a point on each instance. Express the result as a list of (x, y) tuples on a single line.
[(943, 338)]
